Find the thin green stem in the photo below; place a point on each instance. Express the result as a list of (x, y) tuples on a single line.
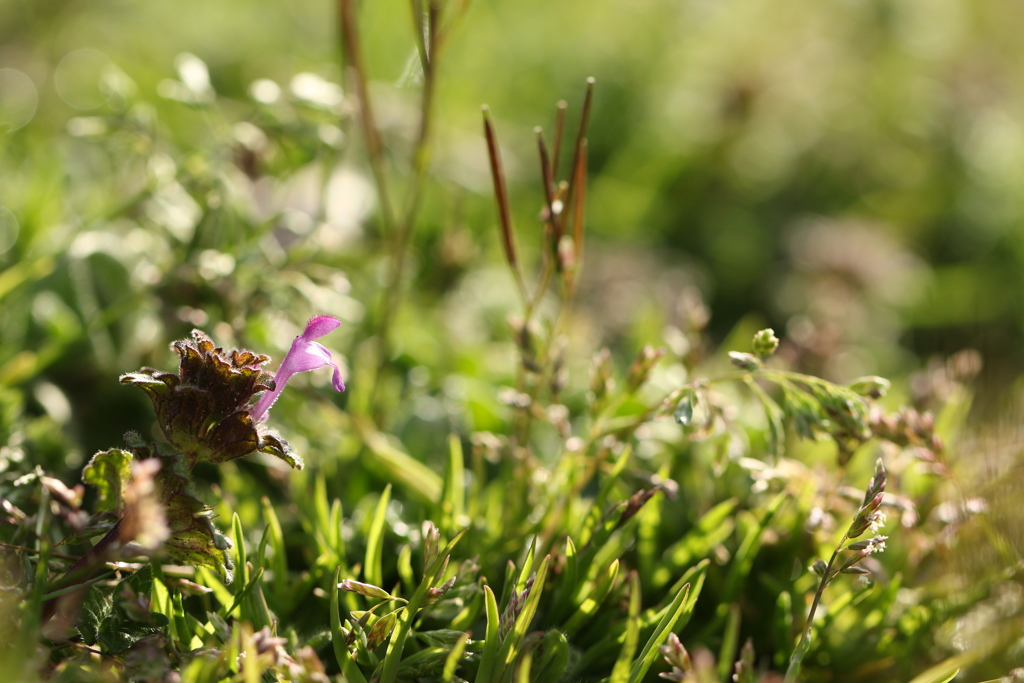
[(805, 638)]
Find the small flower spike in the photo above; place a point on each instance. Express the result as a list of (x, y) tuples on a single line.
[(304, 355)]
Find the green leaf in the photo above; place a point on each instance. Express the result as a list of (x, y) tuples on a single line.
[(110, 472), (551, 657), (96, 607), (240, 555), (246, 590), (524, 573), (943, 672), (568, 584)]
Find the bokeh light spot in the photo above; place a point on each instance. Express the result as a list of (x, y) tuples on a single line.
[(8, 229), (80, 78), (18, 100)]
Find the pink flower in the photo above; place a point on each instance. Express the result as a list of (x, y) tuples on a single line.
[(304, 355)]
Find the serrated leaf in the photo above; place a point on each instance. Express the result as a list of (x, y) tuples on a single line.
[(110, 472), (96, 607), (194, 540)]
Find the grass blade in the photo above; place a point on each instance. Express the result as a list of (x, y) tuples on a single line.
[(389, 670), (510, 648), (680, 609), (621, 670), (279, 560), (349, 669), (492, 640), (451, 662), (453, 494), (372, 569)]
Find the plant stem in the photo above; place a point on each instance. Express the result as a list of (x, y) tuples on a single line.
[(805, 639), (420, 165), (82, 570)]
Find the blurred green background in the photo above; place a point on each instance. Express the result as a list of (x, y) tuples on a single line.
[(847, 170)]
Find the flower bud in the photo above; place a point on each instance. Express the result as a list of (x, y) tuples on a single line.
[(872, 387), (745, 361), (642, 365), (765, 343)]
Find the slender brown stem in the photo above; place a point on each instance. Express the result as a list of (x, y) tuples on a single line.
[(556, 145), (82, 570), (504, 208), (348, 30), (404, 230), (805, 638)]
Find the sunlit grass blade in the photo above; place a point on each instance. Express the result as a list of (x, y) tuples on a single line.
[(621, 670), (509, 648), (730, 641), (568, 584), (714, 527), (492, 639), (396, 645), (552, 657), (746, 553), (453, 495), (593, 598), (394, 465), (451, 662), (523, 666), (372, 569), (593, 518), (524, 573), (241, 566), (675, 617), (279, 560), (245, 590)]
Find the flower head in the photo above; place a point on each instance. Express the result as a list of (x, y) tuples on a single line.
[(305, 354)]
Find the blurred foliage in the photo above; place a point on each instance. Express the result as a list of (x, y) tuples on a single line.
[(846, 172)]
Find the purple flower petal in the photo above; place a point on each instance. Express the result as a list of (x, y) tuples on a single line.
[(319, 326), (305, 354)]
